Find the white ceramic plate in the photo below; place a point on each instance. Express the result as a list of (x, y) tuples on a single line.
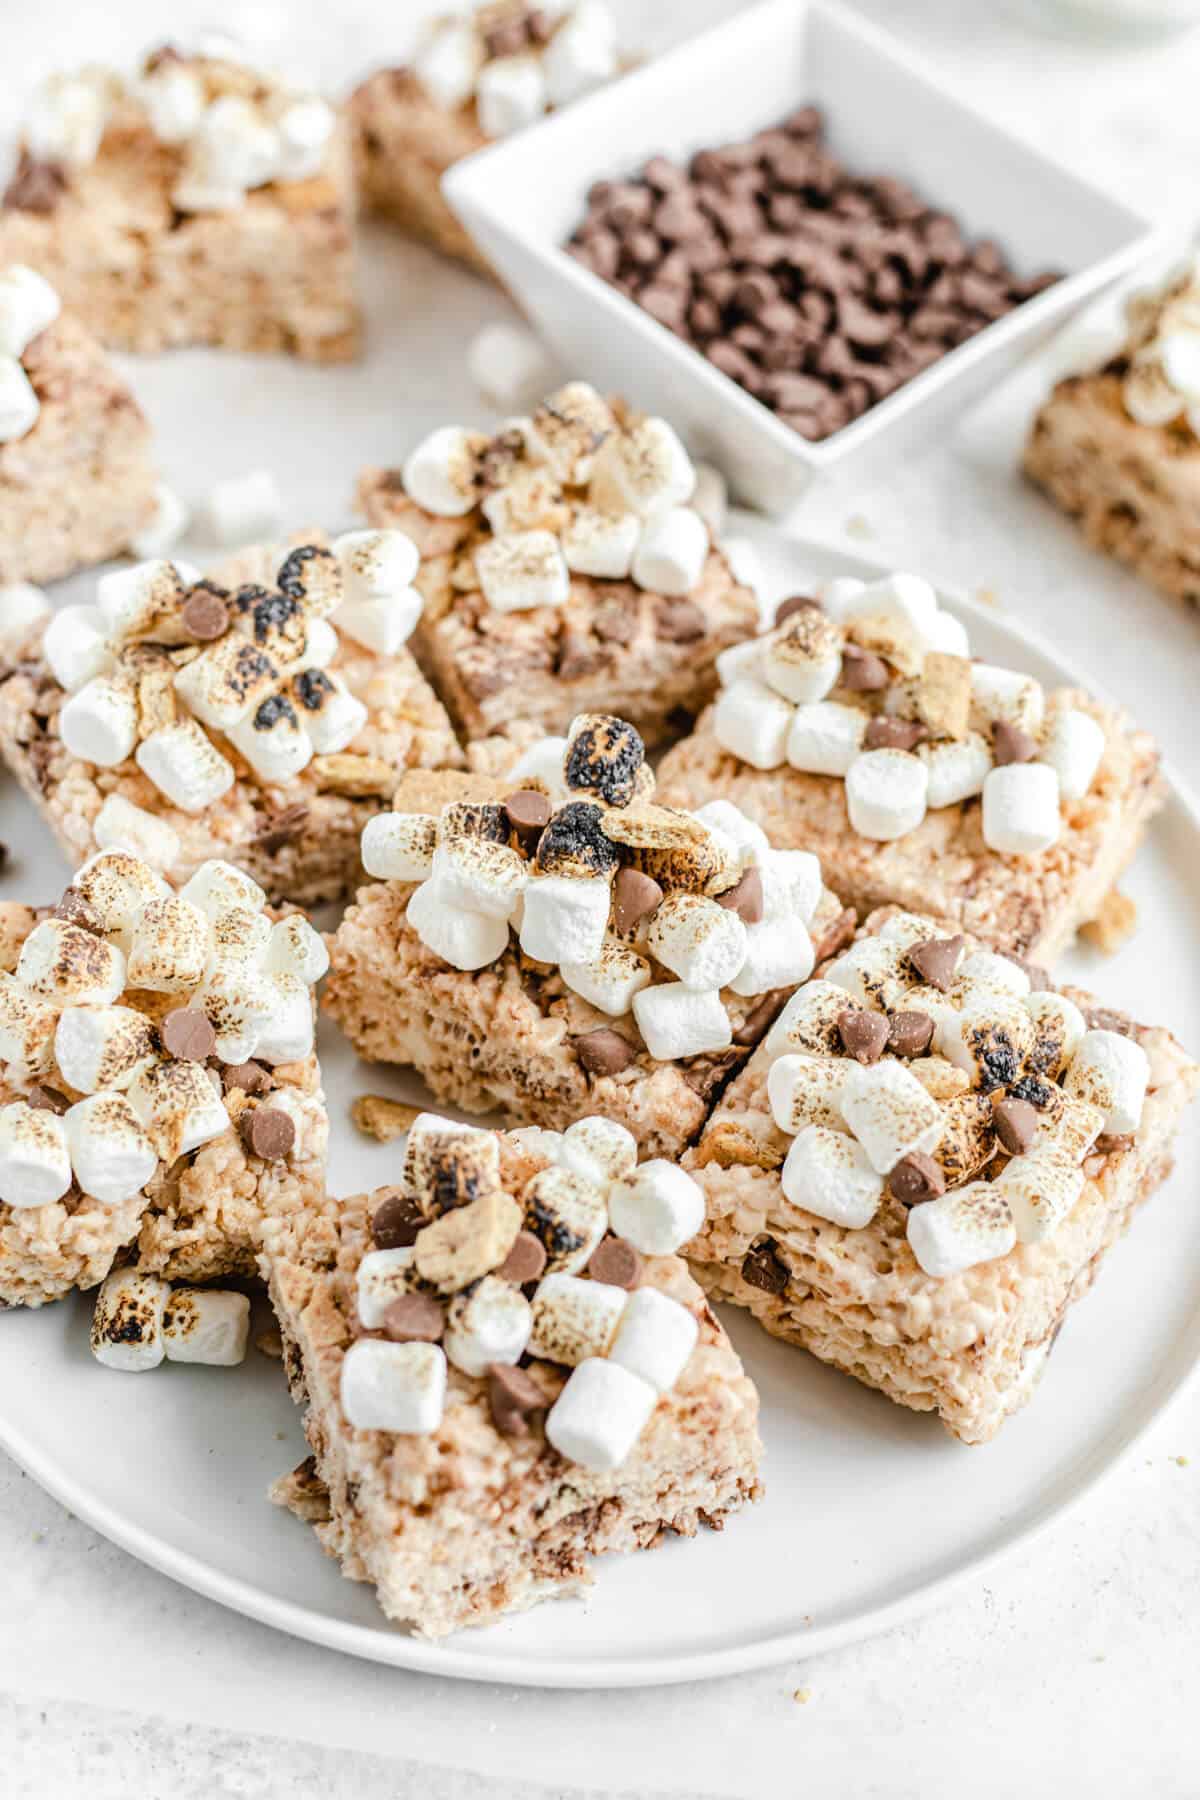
[(871, 1514)]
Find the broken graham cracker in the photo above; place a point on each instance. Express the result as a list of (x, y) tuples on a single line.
[(382, 1118), (944, 694), (1113, 925)]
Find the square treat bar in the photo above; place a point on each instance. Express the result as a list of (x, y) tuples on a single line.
[(923, 1164), (77, 475), (861, 729), (161, 1096), (563, 569), (203, 202), (260, 715), (478, 1438), (472, 79), (1118, 447), (554, 944)]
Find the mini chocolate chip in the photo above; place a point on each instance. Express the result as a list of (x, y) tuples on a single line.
[(205, 616), (893, 734), (267, 1132), (1110, 1142), (46, 1099), (760, 1017), (396, 1221), (796, 603), (1016, 1123), (525, 1261), (515, 1399), (910, 1033), (864, 1034), (1039, 975), (745, 898), (187, 1034), (251, 1077), (528, 812), (1010, 744), (862, 671), (916, 1178), (78, 911), (414, 1319), (604, 1052), (763, 1268), (635, 897), (615, 1261), (1103, 1018), (279, 829), (936, 960)]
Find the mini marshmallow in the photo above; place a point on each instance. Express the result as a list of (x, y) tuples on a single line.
[(169, 952), (779, 954), (510, 93), (581, 55), (399, 846), (296, 949), (465, 940), (35, 1159), (328, 712), (177, 1106), (600, 1414), (206, 1325), (1004, 694), (185, 766), (574, 1318), (1111, 1072), (969, 1225), (375, 564), (792, 884), (610, 981), (489, 1323), (886, 792), (740, 660), (1041, 1189), (121, 824), (1021, 814), (676, 1021), (957, 771), (809, 1021), (566, 430), (989, 970), (752, 723), (440, 473), (174, 102), (908, 599), (244, 508), (532, 499), (304, 129), (829, 1174), (60, 961), (521, 570), (671, 552), (102, 1046), (710, 498), (645, 470), (228, 682), (655, 1338), (287, 1034), (112, 1157), (238, 937), (75, 644), (598, 1150), (22, 607), (1068, 1127), (749, 839), (542, 766), (218, 887), (565, 918), (889, 1113), (144, 598), (601, 544), (947, 634), (988, 1038), (839, 594), (825, 737), (26, 1026), (446, 1161), (383, 1276), (476, 875), (807, 1090), (702, 943), (1058, 1027), (118, 885), (233, 144), (393, 1387), (658, 1208), (28, 304), (874, 972), (99, 723), (19, 404), (802, 659), (165, 526), (566, 1211), (127, 1325), (448, 62), (1073, 747), (383, 624), (273, 741), (508, 365)]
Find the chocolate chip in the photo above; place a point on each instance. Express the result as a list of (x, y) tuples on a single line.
[(635, 897), (267, 1132), (280, 829), (46, 1099), (759, 1019), (205, 616), (864, 1034), (936, 960), (1111, 1143), (525, 1261), (910, 1033), (679, 621), (414, 1319), (762, 1267), (796, 603), (893, 734), (528, 812), (604, 1052), (615, 1261), (1016, 1123), (1103, 1018), (187, 1034), (78, 911), (916, 1178), (745, 898), (517, 1402), (862, 671), (396, 1221), (251, 1077), (1039, 975), (1012, 745), (36, 187)]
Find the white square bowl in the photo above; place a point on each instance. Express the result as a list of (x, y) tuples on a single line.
[(522, 198)]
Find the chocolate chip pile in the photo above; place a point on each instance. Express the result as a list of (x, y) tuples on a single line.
[(818, 291)]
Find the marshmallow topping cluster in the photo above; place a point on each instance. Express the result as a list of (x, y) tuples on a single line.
[(515, 60), (1161, 383)]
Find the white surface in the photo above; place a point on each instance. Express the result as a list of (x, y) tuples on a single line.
[(521, 200), (1072, 1669)]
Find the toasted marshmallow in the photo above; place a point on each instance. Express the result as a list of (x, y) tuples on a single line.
[(440, 473), (565, 918), (807, 1090), (510, 93), (809, 1022), (399, 846), (581, 55), (566, 1211), (127, 1325), (658, 1207), (383, 1276), (19, 404), (99, 722), (508, 365), (645, 470), (989, 1038), (1110, 1071), (710, 498), (984, 968), (542, 766), (740, 660), (329, 714), (792, 884), (890, 1113), (956, 770), (102, 1046), (296, 949), (655, 1338), (143, 599), (218, 887), (287, 1034), (749, 839), (829, 1174), (1021, 814), (600, 1414), (1003, 694), (802, 658), (602, 544), (228, 681), (448, 62), (752, 723), (1058, 1027), (236, 148), (169, 952), (479, 876), (908, 599), (1041, 1188), (22, 608), (447, 1162), (676, 1020), (530, 500), (35, 1159), (121, 825), (489, 1324), (383, 623), (174, 102), (598, 1150), (522, 570), (303, 130), (27, 305), (702, 943), (273, 741), (26, 1026), (1067, 1126), (185, 766), (611, 979), (874, 972), (393, 1387), (779, 953), (206, 1325), (825, 738), (178, 1107), (671, 552), (566, 430), (60, 961), (375, 564), (118, 884), (574, 1318), (165, 526), (1073, 747), (112, 1156), (238, 937), (969, 1225), (466, 940), (886, 793)]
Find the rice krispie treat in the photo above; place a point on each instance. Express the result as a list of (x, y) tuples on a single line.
[(261, 714), (1118, 447), (160, 1094), (924, 1163), (506, 1370), (473, 78), (77, 476), (554, 943), (205, 201), (564, 567), (860, 728)]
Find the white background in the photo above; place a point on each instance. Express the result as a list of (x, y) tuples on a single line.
[(1073, 1668)]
